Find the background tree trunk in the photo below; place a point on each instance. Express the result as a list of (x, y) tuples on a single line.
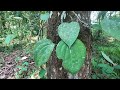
[(54, 66)]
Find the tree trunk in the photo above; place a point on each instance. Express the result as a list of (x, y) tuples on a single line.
[(86, 36), (54, 66)]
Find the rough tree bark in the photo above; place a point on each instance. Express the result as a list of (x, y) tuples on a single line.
[(54, 66), (86, 36)]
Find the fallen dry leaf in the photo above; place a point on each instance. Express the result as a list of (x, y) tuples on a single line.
[(23, 58)]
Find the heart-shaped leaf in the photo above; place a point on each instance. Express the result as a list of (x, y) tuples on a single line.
[(61, 49), (73, 58), (42, 51), (68, 32)]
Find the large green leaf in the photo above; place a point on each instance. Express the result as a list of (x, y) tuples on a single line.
[(42, 51), (61, 49), (68, 32), (9, 38), (74, 57), (112, 27), (44, 16)]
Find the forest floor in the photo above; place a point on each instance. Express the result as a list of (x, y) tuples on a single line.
[(10, 64)]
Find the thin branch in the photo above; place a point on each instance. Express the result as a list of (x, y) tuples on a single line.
[(84, 23)]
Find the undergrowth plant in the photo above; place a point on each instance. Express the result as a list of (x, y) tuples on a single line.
[(106, 66)]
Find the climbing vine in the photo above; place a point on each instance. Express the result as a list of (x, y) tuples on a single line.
[(71, 50)]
